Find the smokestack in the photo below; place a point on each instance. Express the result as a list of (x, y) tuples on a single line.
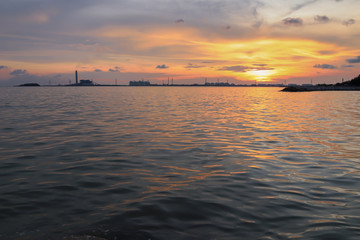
[(76, 78)]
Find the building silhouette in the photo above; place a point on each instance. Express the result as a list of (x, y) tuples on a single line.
[(139, 83), (83, 82)]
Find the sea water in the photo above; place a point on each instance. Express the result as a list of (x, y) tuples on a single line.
[(179, 163)]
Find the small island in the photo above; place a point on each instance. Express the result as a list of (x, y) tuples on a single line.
[(29, 85), (351, 85)]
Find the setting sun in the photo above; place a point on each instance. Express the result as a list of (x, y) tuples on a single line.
[(262, 75)]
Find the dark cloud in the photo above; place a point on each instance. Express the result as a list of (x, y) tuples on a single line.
[(321, 19), (302, 5), (260, 64), (258, 18), (255, 12), (227, 27), (293, 21), (326, 52), (237, 68), (115, 69), (97, 70), (258, 24), (18, 72), (179, 21), (354, 60), (190, 66), (349, 22), (348, 66), (163, 66), (262, 67), (3, 67), (325, 66)]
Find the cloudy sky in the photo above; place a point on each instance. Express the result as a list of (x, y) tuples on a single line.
[(240, 41)]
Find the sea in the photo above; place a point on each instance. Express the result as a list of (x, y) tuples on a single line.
[(194, 163)]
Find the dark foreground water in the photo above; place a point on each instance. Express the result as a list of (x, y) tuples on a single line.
[(179, 163)]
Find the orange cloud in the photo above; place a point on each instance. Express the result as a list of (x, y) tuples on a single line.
[(189, 54)]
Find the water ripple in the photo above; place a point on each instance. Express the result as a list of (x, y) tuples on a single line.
[(179, 163)]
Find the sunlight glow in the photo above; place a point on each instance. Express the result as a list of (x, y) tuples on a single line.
[(261, 75)]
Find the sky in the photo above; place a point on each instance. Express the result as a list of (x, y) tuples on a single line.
[(239, 41)]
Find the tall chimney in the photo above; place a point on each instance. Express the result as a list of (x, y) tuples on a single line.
[(76, 78)]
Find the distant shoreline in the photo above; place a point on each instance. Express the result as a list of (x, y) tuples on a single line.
[(286, 89), (154, 85)]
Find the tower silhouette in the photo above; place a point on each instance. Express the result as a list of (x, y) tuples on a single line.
[(76, 78)]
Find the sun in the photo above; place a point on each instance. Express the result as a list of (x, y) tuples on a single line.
[(261, 75)]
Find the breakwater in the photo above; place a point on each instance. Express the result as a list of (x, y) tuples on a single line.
[(320, 88)]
